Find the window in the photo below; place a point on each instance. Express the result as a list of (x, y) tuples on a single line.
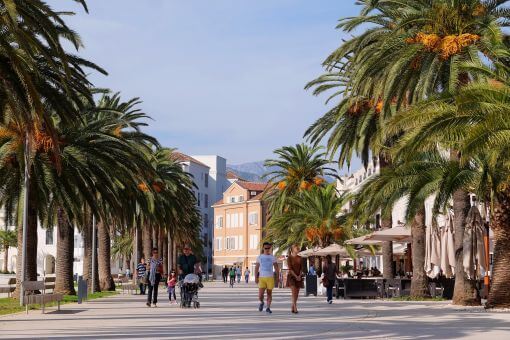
[(206, 221), (206, 180), (198, 199), (231, 243), (232, 199), (219, 222), (253, 193), (241, 198), (49, 236), (217, 243), (235, 222), (253, 218), (241, 220), (206, 201), (254, 241), (228, 221)]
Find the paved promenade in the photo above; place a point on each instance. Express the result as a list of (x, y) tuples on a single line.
[(228, 313)]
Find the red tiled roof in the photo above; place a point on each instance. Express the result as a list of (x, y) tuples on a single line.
[(232, 175), (219, 202), (252, 186), (185, 158)]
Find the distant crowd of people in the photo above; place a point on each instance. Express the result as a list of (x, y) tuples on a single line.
[(231, 274)]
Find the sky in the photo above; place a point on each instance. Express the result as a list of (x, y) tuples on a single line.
[(219, 77)]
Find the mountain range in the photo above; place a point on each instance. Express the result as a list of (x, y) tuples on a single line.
[(254, 171), (251, 171)]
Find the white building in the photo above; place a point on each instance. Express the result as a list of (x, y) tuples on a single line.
[(210, 177)]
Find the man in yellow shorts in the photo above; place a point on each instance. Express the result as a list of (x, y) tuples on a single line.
[(265, 277)]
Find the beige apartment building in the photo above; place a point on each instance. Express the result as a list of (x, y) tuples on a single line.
[(238, 222)]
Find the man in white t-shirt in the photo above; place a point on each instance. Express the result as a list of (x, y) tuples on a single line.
[(265, 277)]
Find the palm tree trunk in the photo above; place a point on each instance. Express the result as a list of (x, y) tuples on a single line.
[(174, 250), (31, 251), (499, 295), (159, 232), (419, 281), (465, 292), (64, 282), (87, 255), (164, 252), (170, 253), (104, 257), (147, 241), (154, 237), (139, 247), (6, 258)]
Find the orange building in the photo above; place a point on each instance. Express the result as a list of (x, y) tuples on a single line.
[(238, 222)]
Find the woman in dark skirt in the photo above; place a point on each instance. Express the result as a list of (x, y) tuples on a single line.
[(294, 277)]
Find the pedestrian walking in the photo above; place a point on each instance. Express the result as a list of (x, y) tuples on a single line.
[(265, 277), (224, 274), (155, 268), (247, 275), (232, 274), (295, 275), (329, 271), (238, 274), (171, 282), (141, 269), (187, 262)]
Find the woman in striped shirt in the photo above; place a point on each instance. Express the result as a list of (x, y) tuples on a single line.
[(155, 268)]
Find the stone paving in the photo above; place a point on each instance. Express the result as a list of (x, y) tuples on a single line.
[(231, 313)]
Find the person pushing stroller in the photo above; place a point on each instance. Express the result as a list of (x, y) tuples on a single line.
[(190, 283)]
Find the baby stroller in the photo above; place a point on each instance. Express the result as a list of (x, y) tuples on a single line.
[(189, 291)]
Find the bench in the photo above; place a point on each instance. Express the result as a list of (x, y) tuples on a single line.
[(127, 285), (9, 288), (30, 297), (49, 282)]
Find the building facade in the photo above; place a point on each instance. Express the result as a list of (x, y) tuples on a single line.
[(239, 219)]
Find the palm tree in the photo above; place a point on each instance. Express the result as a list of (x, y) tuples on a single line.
[(313, 219), (415, 179), (474, 121), (410, 51), (297, 169)]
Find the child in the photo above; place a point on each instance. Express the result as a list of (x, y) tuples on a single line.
[(171, 282)]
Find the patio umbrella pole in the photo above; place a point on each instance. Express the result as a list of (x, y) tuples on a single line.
[(486, 279)]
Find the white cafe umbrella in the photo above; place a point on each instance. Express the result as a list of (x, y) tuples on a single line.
[(473, 245), (448, 247), (362, 240), (395, 234), (308, 252), (432, 251), (333, 249)]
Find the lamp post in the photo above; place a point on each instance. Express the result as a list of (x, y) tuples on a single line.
[(93, 254), (25, 218)]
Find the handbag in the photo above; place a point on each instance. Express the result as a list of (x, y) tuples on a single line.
[(325, 281)]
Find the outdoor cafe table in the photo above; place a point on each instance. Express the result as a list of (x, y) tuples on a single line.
[(371, 287)]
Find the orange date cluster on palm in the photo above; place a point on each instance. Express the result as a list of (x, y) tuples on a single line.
[(303, 185), (446, 46), (364, 106)]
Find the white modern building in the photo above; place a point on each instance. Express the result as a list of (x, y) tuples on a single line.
[(210, 177)]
